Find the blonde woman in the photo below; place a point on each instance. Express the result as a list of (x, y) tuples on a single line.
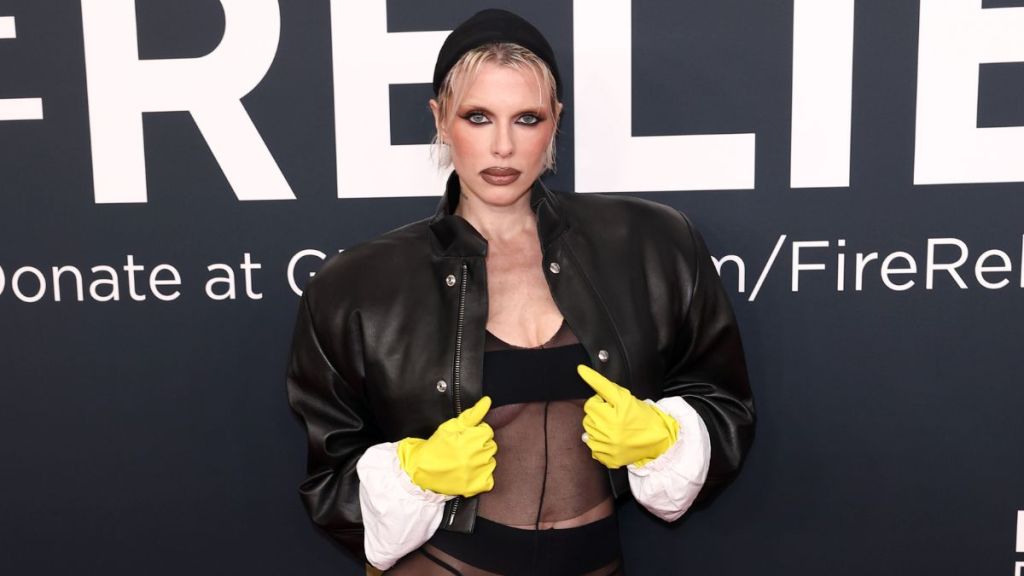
[(481, 385)]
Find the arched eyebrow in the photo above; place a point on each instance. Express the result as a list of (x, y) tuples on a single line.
[(468, 106)]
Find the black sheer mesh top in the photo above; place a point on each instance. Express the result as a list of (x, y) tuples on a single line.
[(550, 511), (544, 473)]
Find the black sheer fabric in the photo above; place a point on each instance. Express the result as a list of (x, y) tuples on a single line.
[(551, 509)]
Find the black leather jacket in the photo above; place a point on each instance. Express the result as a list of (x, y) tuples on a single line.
[(389, 340)]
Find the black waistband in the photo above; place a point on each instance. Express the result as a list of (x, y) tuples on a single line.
[(498, 548)]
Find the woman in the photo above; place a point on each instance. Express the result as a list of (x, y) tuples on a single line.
[(472, 382)]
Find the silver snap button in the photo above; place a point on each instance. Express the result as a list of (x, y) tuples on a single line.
[(442, 385), (450, 280), (554, 267), (602, 355)]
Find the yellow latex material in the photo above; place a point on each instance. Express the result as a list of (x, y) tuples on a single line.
[(620, 428), (457, 459)]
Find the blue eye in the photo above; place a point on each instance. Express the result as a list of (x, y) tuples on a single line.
[(476, 118), (529, 119)]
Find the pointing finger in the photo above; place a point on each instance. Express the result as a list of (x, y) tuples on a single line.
[(604, 387), (475, 415)]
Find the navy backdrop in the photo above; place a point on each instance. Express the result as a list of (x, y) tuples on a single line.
[(152, 435)]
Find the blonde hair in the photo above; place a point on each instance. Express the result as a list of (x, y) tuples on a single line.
[(461, 76)]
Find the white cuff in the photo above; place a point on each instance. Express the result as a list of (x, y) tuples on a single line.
[(398, 515), (668, 485)]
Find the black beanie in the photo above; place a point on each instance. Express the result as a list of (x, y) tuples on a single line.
[(493, 25)]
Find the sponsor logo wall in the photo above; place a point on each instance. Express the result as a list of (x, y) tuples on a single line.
[(173, 173)]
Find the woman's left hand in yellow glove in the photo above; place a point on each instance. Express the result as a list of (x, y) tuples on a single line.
[(620, 429)]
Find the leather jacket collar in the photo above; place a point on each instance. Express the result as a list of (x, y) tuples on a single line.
[(454, 236)]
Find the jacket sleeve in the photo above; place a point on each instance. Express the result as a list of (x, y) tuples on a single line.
[(329, 397), (709, 370)]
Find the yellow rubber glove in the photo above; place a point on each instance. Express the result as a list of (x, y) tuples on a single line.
[(457, 459), (620, 429)]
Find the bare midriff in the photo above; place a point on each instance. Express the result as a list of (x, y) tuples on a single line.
[(602, 510)]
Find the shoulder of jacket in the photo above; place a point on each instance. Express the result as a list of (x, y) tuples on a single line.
[(358, 269), (637, 215)]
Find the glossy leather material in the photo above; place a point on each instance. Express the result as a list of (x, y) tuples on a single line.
[(378, 329)]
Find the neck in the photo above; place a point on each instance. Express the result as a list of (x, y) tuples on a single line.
[(498, 222)]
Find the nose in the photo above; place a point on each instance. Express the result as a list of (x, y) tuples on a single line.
[(502, 145)]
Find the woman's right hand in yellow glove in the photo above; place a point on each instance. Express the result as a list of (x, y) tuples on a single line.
[(457, 459)]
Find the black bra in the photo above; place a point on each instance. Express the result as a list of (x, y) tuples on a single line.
[(514, 374)]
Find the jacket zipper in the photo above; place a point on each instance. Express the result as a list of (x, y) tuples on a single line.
[(458, 369)]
